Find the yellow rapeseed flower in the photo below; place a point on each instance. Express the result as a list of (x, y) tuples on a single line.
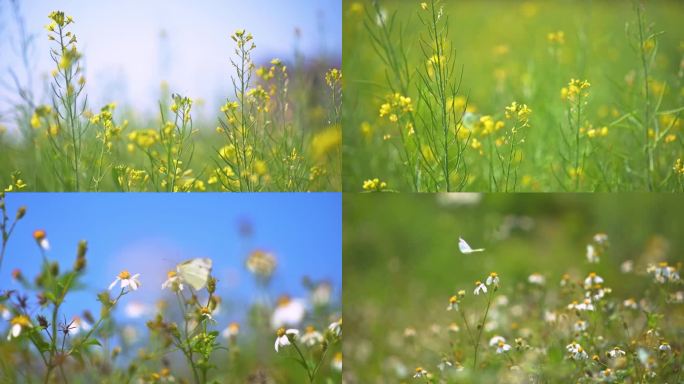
[(374, 185), (556, 37), (326, 141)]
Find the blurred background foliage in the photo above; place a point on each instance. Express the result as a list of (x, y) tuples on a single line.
[(507, 55), (401, 260)]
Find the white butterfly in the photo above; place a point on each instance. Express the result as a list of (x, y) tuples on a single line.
[(465, 248), (195, 272)]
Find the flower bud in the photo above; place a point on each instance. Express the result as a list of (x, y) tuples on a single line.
[(80, 263), (54, 269), (42, 321), (21, 212), (88, 316), (115, 352), (211, 284), (16, 275)]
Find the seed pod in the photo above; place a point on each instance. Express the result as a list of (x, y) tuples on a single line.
[(211, 284), (21, 212)]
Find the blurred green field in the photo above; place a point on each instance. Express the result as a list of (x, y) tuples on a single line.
[(402, 263), (511, 51), (277, 129)]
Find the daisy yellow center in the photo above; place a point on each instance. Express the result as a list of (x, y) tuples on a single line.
[(39, 234), (453, 300), (171, 274), (419, 369), (493, 274), (501, 343), (281, 332), (592, 275), (478, 282), (21, 320), (310, 329), (124, 275), (284, 300), (205, 311), (234, 327)]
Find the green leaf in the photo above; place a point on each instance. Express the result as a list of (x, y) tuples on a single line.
[(50, 296), (76, 354), (91, 341)]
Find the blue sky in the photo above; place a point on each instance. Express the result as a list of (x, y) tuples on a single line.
[(132, 46), (148, 233)]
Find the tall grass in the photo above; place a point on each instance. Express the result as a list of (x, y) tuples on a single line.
[(273, 139), (428, 106)]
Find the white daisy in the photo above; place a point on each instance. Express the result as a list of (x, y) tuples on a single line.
[(453, 303), (420, 372), (311, 337), (479, 287), (585, 305), (493, 279), (336, 327), (615, 353), (601, 238), (627, 266), (231, 331), (592, 280), (537, 279), (592, 254), (444, 364), (607, 375), (5, 313), (581, 325), (336, 362), (502, 347), (127, 281), (630, 303), (288, 313), (496, 340), (18, 324), (576, 351), (284, 337), (173, 282), (663, 273)]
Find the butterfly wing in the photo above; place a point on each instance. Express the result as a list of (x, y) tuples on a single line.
[(195, 272), (463, 246)]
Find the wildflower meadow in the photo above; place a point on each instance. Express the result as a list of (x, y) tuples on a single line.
[(277, 127), (163, 303), (494, 96), (515, 288)]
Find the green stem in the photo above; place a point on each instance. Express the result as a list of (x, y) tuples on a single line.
[(318, 365), (647, 104), (304, 361), (481, 328)]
